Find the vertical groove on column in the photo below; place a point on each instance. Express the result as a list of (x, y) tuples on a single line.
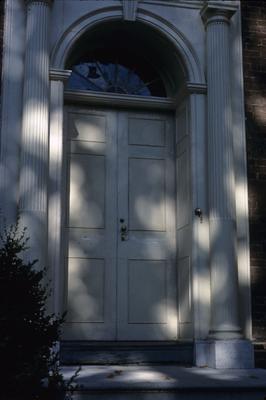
[(34, 153), (5, 173), (224, 281), (35, 131), (220, 126)]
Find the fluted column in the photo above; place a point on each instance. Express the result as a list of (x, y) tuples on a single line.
[(56, 199), (221, 181), (34, 141)]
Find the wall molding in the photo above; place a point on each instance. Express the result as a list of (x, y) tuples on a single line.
[(121, 101)]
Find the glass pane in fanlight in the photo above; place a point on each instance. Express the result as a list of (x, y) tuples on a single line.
[(114, 78)]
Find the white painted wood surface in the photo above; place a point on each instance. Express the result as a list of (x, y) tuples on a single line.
[(92, 225), (183, 206), (121, 169), (146, 201), (225, 321)]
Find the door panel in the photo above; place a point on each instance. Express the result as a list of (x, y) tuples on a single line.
[(91, 297), (86, 286), (87, 191), (146, 259), (90, 128), (147, 306), (122, 174), (147, 194), (146, 131)]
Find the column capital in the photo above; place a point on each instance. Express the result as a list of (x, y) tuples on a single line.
[(190, 88), (46, 2), (59, 74), (217, 11)]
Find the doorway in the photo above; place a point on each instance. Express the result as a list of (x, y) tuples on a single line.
[(121, 229)]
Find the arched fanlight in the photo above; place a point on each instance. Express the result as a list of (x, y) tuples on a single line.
[(108, 77)]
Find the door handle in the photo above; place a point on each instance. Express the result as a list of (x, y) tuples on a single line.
[(123, 231)]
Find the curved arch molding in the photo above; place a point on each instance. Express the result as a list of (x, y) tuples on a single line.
[(182, 45)]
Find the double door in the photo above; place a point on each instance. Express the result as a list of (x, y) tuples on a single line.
[(121, 229)]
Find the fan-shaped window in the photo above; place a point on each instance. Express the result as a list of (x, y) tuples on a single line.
[(109, 77), (125, 58)]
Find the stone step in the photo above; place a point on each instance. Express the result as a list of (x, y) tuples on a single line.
[(166, 382), (123, 353)]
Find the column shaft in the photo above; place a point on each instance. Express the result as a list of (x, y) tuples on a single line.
[(221, 182), (34, 142)]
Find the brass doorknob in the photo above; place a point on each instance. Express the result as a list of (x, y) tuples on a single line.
[(198, 212), (123, 230)]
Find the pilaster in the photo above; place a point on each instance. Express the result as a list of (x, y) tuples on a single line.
[(56, 185), (35, 133), (225, 332), (222, 214)]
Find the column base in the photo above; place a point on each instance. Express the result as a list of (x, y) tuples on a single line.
[(225, 335), (224, 354)]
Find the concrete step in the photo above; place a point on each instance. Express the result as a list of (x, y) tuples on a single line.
[(166, 382), (125, 353)]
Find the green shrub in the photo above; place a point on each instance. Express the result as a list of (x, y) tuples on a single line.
[(27, 332)]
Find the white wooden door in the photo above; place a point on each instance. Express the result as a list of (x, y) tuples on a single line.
[(92, 222), (146, 259), (121, 229)]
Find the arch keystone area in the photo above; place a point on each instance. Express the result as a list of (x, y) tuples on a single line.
[(183, 48)]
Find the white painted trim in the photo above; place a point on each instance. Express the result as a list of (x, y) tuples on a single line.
[(219, 9), (200, 246), (59, 74), (56, 194), (196, 4), (190, 88), (119, 100), (56, 209), (198, 88)]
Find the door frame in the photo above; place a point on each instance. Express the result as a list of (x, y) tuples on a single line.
[(194, 96), (131, 109), (194, 90)]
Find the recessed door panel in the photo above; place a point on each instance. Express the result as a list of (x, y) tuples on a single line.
[(146, 194), (146, 131), (86, 290), (147, 306), (90, 127), (87, 191)]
